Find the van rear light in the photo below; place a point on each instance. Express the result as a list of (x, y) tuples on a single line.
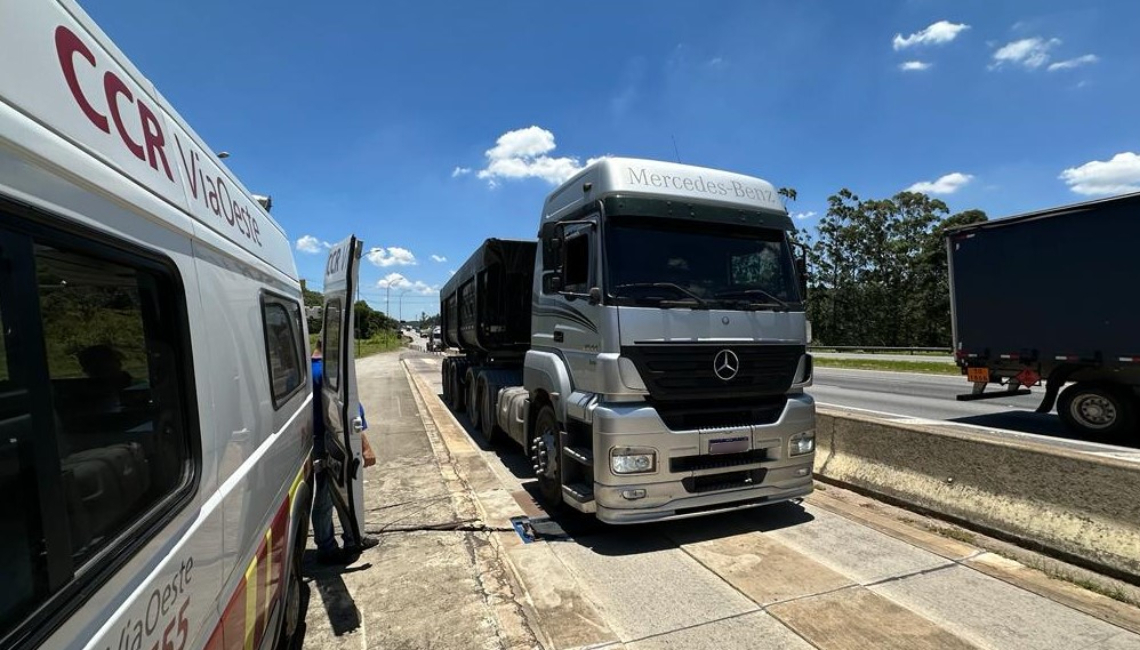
[(1010, 357), (1130, 359), (1067, 357)]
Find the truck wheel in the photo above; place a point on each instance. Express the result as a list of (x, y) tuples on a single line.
[(1100, 410), (473, 399), (546, 454), (447, 382), (491, 432), (457, 390)]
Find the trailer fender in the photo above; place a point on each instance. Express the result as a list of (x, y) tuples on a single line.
[(1053, 386), (547, 372)]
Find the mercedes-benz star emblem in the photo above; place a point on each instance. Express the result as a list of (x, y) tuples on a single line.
[(726, 364)]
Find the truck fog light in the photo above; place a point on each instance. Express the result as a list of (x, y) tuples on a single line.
[(633, 460), (801, 443), (633, 495)]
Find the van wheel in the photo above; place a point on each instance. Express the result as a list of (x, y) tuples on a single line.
[(1097, 410), (491, 432), (296, 592), (473, 401), (546, 455)]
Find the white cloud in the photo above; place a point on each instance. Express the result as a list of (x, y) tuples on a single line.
[(451, 272), (391, 256), (1031, 53), (947, 184), (460, 171), (438, 258), (940, 32), (803, 215), (1073, 63), (524, 153), (1098, 177), (398, 281), (914, 65), (310, 244)]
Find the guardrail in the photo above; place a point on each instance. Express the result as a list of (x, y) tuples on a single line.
[(1075, 505), (878, 348)]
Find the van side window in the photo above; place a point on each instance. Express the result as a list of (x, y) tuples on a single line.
[(281, 321), (331, 352), (94, 426)]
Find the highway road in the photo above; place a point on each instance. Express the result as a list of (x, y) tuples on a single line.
[(932, 397)]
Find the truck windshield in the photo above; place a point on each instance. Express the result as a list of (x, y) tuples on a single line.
[(666, 263)]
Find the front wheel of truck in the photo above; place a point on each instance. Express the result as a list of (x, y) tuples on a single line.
[(546, 455), (1098, 410)]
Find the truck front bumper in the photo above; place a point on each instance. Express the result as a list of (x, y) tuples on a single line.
[(689, 480)]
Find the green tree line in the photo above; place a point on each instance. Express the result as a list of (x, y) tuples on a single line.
[(878, 270), (369, 322)]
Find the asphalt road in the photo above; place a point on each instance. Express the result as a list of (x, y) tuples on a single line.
[(932, 397)]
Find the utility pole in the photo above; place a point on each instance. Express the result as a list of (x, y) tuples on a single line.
[(402, 305), (388, 300)]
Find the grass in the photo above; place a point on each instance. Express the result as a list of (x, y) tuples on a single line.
[(954, 533), (1056, 572), (384, 342), (915, 354), (927, 367)]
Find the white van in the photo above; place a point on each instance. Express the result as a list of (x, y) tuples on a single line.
[(155, 394)]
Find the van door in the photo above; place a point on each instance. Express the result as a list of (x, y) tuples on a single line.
[(339, 401)]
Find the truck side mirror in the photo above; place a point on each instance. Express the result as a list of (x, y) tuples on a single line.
[(595, 296), (551, 283)]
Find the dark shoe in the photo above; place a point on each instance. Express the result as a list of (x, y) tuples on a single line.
[(333, 557), (364, 543)]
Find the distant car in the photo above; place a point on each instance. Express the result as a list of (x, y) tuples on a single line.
[(435, 342)]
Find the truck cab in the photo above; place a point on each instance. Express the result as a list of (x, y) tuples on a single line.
[(664, 372)]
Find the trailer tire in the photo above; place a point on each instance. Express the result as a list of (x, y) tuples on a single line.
[(1098, 410), (457, 390), (491, 432), (446, 372), (545, 451), (473, 400)]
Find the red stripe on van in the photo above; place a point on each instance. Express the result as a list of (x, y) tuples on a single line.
[(262, 602), (233, 620)]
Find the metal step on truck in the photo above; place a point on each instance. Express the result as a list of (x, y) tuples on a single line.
[(1049, 298), (648, 351)]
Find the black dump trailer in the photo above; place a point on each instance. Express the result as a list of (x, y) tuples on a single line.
[(1053, 298), (485, 311)]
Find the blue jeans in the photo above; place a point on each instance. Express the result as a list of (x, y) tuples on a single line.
[(323, 505)]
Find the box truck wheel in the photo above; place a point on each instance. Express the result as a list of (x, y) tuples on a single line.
[(546, 454), (446, 371), (1101, 410)]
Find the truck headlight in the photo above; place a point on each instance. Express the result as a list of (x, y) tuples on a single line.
[(633, 460), (801, 443)]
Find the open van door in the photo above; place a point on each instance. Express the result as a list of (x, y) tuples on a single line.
[(339, 401)]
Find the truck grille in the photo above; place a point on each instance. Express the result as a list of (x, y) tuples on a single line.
[(721, 461), (721, 414), (726, 481), (683, 371)]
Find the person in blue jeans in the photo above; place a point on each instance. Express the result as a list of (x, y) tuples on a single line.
[(328, 552)]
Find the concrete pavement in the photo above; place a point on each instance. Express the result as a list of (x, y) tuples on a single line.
[(433, 581), (838, 572)]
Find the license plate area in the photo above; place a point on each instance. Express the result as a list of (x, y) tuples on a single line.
[(976, 375), (731, 445)]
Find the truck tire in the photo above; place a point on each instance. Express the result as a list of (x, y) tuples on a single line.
[(473, 401), (546, 455), (491, 432), (446, 377), (1098, 410), (457, 388)]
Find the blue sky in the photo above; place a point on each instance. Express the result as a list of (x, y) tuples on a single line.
[(410, 124)]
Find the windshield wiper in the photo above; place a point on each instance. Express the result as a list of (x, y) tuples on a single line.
[(773, 301), (697, 301)]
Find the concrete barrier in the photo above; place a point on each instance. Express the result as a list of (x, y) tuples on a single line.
[(1081, 507)]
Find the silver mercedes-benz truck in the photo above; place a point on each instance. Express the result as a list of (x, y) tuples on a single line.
[(649, 350)]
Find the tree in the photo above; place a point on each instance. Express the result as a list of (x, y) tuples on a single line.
[(313, 299), (880, 271)]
